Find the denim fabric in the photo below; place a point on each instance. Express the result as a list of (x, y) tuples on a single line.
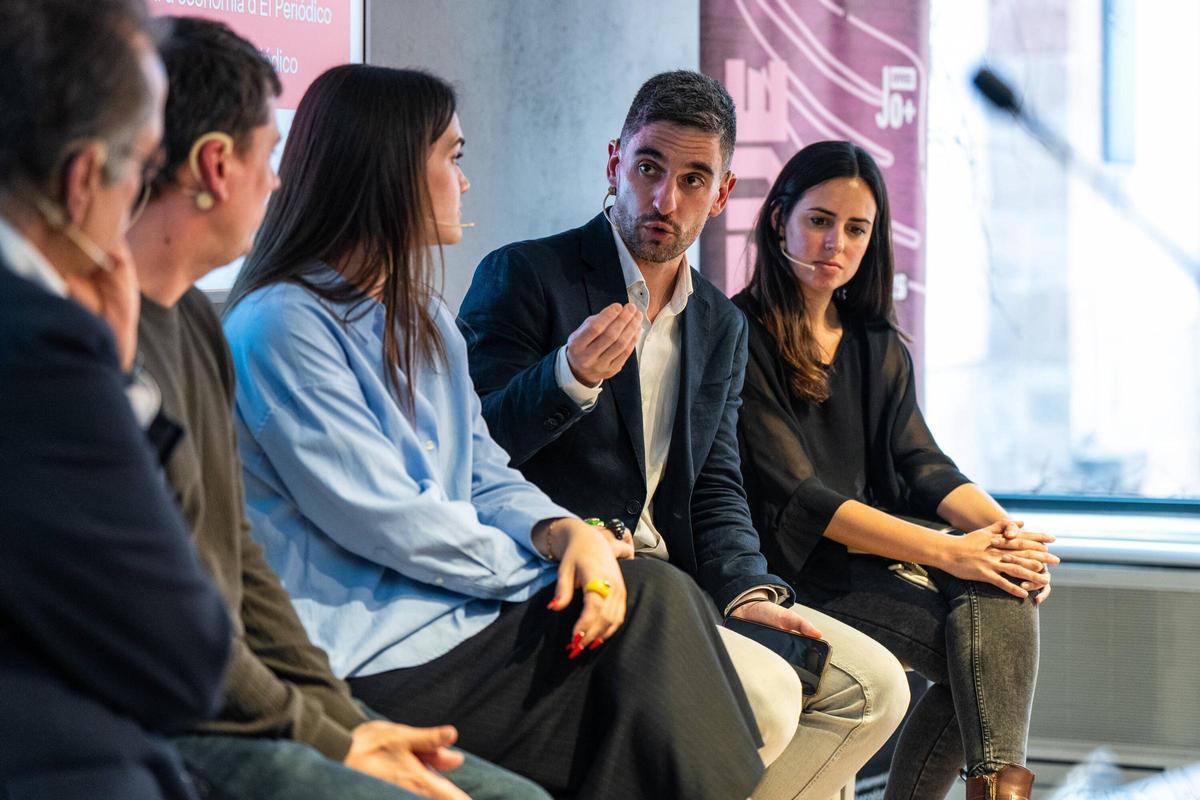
[(979, 647), (240, 768)]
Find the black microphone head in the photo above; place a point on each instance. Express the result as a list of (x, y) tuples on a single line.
[(997, 92)]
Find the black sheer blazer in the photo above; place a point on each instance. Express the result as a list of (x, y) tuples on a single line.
[(904, 470)]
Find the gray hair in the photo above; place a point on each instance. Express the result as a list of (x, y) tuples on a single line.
[(69, 72)]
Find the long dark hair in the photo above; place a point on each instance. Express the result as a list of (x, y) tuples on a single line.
[(774, 286), (354, 192)]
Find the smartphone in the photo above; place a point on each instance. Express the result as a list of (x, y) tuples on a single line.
[(808, 656)]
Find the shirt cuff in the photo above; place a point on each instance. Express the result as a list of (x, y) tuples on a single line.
[(584, 396), (775, 594)]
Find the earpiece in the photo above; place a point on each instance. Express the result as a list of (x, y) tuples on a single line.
[(204, 199), (57, 219)]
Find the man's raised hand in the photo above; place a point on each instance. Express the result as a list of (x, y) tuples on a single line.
[(599, 347)]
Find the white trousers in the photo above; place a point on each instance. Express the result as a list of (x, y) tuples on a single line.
[(861, 700)]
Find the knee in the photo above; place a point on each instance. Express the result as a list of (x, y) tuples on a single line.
[(873, 686), (1001, 614), (888, 689)]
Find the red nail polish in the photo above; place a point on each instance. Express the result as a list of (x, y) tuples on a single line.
[(575, 651), (552, 604), (595, 644), (578, 638)]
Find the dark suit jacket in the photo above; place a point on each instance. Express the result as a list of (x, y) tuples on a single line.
[(524, 302), (110, 634)]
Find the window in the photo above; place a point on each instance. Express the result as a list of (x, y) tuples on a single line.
[(1062, 346)]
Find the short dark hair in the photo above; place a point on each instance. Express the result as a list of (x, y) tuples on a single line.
[(69, 71), (685, 98), (217, 81)]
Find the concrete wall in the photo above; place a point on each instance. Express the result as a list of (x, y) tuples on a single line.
[(543, 85)]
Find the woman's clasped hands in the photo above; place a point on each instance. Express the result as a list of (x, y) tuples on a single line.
[(1005, 555)]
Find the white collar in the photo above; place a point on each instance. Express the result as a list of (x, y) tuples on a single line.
[(27, 261), (633, 274)]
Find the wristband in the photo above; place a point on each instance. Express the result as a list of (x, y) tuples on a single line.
[(614, 526), (748, 601)]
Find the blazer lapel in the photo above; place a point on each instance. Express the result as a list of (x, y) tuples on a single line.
[(694, 341), (605, 285)]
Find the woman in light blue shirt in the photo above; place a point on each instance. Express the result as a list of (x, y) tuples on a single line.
[(444, 586)]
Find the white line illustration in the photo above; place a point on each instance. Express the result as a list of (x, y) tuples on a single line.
[(891, 97)]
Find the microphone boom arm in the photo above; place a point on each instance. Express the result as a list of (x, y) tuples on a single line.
[(999, 94)]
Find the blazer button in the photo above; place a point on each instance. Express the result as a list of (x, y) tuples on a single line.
[(633, 507), (551, 423)]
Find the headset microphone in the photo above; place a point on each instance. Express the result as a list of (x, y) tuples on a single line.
[(798, 262)]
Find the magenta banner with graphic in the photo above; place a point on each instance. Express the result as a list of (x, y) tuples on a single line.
[(801, 71)]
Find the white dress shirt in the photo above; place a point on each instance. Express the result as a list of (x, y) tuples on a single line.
[(658, 351), (27, 261)]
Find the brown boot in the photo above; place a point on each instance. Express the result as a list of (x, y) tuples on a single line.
[(1007, 783)]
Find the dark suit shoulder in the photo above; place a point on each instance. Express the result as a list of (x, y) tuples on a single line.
[(543, 255), (705, 287), (746, 303), (726, 313), (522, 277), (513, 272), (36, 321)]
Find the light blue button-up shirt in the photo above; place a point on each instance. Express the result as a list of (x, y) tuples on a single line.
[(397, 538)]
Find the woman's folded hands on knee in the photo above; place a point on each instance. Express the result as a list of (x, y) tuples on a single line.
[(1004, 555)]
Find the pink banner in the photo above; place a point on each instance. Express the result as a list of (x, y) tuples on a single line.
[(802, 71), (301, 38)]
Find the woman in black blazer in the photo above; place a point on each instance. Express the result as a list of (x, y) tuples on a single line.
[(835, 453)]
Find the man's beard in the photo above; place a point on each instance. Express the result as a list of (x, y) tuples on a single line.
[(654, 252)]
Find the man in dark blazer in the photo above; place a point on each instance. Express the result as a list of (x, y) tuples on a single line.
[(612, 373), (535, 304), (111, 636), (525, 303)]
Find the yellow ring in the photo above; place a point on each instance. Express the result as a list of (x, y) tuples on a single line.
[(599, 586)]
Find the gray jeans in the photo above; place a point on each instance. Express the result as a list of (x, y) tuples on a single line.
[(978, 646)]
